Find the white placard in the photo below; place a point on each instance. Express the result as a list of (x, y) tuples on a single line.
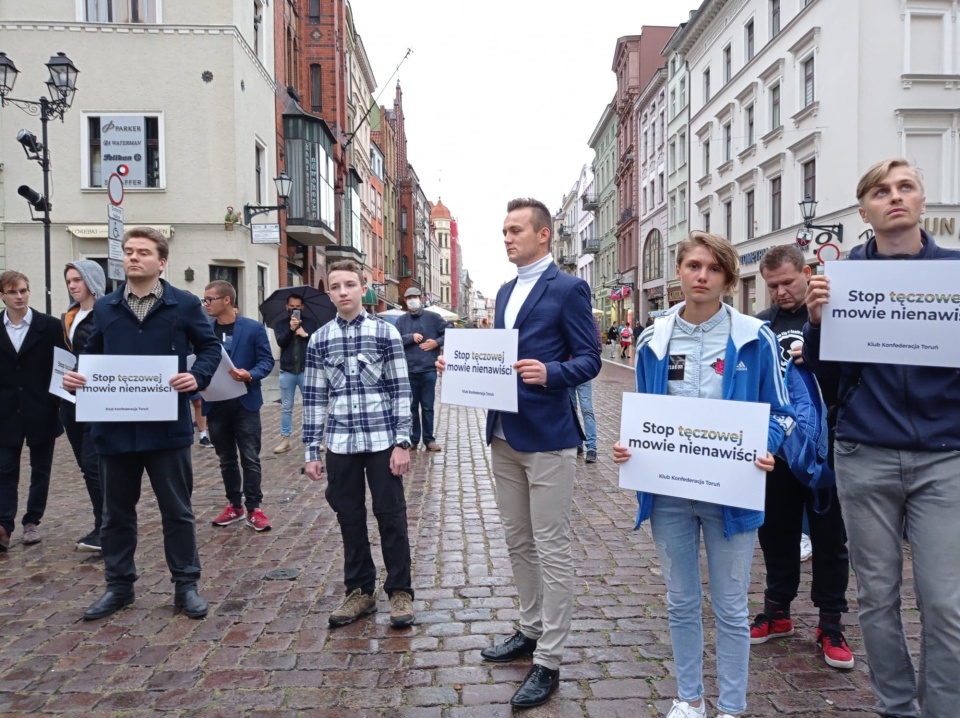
[(700, 449), (265, 233), (127, 388), (63, 361), (892, 312), (222, 386), (479, 368)]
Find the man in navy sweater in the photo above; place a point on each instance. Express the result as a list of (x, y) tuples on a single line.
[(422, 334), (897, 458), (146, 316)]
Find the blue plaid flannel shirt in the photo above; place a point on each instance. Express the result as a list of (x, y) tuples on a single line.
[(356, 395)]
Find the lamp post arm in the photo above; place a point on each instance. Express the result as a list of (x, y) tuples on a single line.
[(835, 229)]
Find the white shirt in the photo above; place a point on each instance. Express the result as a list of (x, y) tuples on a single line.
[(526, 278), (17, 332)]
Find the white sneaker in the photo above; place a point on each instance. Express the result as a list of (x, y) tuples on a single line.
[(682, 709), (806, 548)]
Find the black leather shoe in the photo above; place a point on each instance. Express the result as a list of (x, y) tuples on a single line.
[(191, 603), (109, 603), (536, 688), (517, 646)]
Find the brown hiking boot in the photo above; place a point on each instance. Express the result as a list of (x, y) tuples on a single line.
[(283, 447), (354, 606), (401, 609)]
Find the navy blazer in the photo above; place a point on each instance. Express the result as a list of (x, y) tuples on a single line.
[(250, 350), (556, 327)]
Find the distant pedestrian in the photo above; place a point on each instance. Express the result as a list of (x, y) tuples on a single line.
[(357, 401), (707, 349), (897, 458), (613, 339), (626, 335), (147, 316), (235, 423), (292, 334), (422, 333), (86, 284), (28, 411)]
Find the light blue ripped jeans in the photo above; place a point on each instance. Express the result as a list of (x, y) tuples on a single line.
[(677, 525)]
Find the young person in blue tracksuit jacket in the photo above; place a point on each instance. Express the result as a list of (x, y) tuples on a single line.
[(705, 348)]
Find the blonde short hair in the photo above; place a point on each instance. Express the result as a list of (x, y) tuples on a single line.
[(878, 171)]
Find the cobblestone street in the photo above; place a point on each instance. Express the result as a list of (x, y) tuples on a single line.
[(265, 649)]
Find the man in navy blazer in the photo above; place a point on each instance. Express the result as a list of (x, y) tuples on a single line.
[(234, 424), (534, 451)]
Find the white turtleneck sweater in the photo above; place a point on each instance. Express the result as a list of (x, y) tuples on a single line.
[(526, 278)]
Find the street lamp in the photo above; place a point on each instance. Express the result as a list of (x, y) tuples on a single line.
[(284, 185), (62, 86), (808, 210)]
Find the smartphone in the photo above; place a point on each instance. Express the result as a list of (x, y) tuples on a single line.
[(295, 314)]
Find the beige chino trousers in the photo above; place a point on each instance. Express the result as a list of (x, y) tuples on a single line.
[(535, 493)]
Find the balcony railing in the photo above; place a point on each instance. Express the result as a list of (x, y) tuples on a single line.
[(627, 214), (591, 245), (564, 231), (590, 203), (568, 260)]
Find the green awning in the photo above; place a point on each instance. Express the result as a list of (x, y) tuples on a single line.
[(370, 297)]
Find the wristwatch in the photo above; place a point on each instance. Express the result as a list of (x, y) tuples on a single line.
[(404, 444)]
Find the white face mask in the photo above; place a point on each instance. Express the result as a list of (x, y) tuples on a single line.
[(414, 305)]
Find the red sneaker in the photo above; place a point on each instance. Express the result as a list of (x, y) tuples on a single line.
[(258, 521), (229, 515), (766, 627), (836, 652)]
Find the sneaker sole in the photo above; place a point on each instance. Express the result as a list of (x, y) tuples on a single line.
[(337, 622), (770, 637), (838, 664), (227, 523), (88, 547), (401, 622), (265, 528)]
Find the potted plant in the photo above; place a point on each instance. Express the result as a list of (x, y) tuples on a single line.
[(230, 219)]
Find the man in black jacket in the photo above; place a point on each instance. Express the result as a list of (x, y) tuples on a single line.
[(784, 270), (422, 334), (86, 284), (292, 335), (29, 411)]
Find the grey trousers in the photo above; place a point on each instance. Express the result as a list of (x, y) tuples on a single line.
[(534, 493), (879, 489)]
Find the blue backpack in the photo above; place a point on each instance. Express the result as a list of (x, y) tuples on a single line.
[(807, 448)]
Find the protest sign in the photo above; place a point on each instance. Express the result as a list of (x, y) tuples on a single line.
[(701, 449), (892, 312), (127, 388), (63, 361), (479, 369), (222, 386)]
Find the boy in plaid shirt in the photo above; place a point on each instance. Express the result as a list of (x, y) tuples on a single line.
[(357, 401)]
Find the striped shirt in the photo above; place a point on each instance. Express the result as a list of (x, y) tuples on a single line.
[(142, 305), (356, 395)]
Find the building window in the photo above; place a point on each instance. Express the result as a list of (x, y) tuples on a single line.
[(316, 89), (810, 179), (681, 149), (673, 210), (727, 141), (683, 92), (660, 187), (749, 117), (114, 140), (313, 12), (121, 11), (257, 23), (775, 106), (706, 85), (774, 18), (261, 283), (258, 172), (403, 220), (226, 274), (672, 155), (706, 157), (750, 215), (749, 41), (727, 65), (808, 82), (706, 221), (673, 103), (775, 198), (682, 205), (728, 220), (653, 256)]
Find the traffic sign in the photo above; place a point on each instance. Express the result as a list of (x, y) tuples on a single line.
[(115, 189), (115, 237)]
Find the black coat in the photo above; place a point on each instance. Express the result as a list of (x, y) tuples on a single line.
[(27, 408)]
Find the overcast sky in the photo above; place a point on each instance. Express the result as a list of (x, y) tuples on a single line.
[(500, 99)]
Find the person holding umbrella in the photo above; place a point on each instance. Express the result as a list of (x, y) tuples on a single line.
[(294, 313)]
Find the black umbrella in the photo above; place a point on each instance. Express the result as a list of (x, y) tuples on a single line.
[(316, 305)]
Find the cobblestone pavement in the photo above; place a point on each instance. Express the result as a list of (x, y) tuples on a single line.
[(265, 649)]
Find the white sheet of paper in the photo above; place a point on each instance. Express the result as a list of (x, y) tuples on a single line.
[(479, 369), (892, 312), (63, 361), (127, 388), (222, 386), (700, 449)]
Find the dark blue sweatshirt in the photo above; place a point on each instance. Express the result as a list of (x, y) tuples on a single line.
[(892, 405)]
